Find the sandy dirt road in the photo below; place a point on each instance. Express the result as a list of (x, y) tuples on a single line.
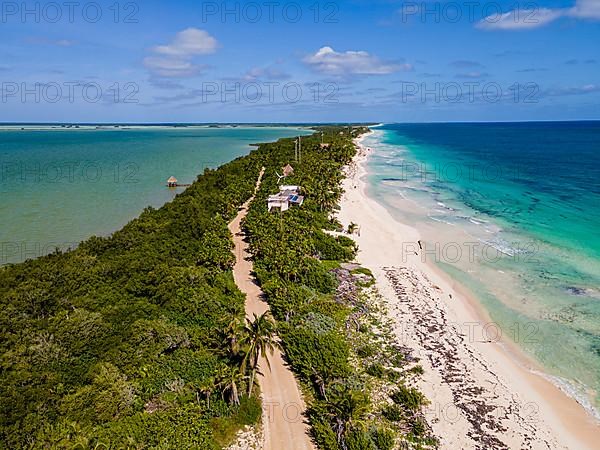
[(283, 407)]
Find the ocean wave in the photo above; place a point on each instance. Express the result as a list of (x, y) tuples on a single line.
[(503, 247), (477, 221), (416, 189), (443, 205), (575, 390), (437, 219)]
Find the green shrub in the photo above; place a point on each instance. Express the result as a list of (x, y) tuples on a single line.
[(393, 375), (393, 413), (359, 440), (363, 328), (383, 439), (314, 275), (417, 370), (362, 270), (324, 353), (410, 398), (108, 397), (376, 370), (181, 428), (366, 351), (249, 412), (334, 248), (225, 428), (419, 427), (324, 436)]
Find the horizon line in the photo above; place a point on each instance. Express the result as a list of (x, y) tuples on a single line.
[(364, 123)]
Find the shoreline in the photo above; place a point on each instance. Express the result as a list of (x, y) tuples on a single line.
[(482, 393), (105, 182)]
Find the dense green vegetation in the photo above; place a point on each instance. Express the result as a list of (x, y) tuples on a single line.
[(326, 335), (139, 340), (126, 342)]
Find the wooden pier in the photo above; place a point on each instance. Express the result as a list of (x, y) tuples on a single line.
[(173, 183)]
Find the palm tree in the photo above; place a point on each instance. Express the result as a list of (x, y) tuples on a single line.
[(259, 338), (233, 336), (229, 379), (206, 387), (347, 410)]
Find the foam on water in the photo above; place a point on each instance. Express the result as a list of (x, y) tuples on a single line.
[(574, 390), (540, 260)]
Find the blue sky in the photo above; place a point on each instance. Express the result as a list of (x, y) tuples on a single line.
[(191, 61)]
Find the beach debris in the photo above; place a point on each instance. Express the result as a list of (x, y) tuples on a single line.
[(351, 277), (494, 415), (249, 438)]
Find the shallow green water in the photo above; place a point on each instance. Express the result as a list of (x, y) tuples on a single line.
[(60, 186), (522, 203)]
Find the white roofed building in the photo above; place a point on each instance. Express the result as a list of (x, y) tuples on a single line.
[(288, 195)]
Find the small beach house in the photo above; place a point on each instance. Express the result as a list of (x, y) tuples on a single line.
[(288, 195), (172, 182)]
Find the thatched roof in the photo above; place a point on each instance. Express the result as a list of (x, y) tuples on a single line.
[(172, 180), (288, 170)]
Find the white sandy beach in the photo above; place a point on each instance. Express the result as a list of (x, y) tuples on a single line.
[(484, 392)]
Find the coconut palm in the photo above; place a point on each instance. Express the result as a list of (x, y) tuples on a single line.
[(233, 336), (206, 388), (347, 410), (229, 380), (259, 338)]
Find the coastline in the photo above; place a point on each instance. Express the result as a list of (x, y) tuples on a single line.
[(482, 393), (115, 173)]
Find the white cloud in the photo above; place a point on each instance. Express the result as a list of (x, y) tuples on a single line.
[(539, 17), (574, 90), (267, 73), (189, 42), (465, 63), (520, 19), (64, 43), (176, 58), (473, 75), (171, 67), (46, 41), (585, 9), (327, 60)]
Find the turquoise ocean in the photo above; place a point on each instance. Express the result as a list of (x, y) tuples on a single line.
[(511, 211), (60, 185)]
